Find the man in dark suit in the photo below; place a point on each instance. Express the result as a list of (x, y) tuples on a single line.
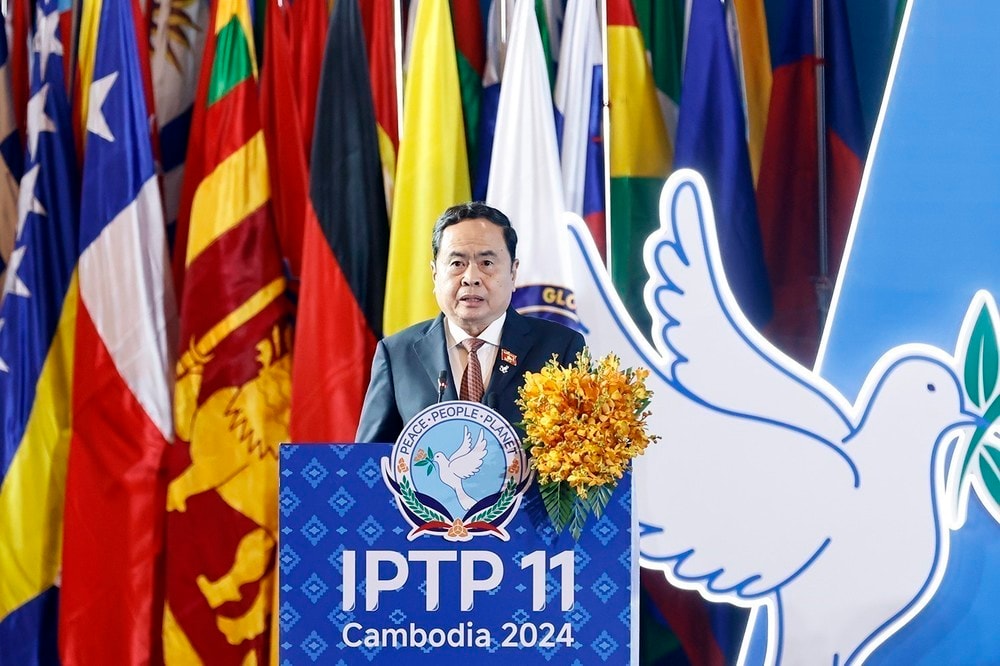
[(474, 268)]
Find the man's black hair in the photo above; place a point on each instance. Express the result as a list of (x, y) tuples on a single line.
[(474, 210)]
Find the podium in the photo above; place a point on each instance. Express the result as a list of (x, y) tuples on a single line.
[(382, 561)]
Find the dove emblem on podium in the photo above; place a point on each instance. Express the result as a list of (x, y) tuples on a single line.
[(771, 490), (461, 465)]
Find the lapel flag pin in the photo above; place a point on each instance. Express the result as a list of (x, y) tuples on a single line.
[(508, 357)]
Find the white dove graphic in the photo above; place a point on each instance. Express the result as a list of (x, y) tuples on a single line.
[(463, 463), (769, 488)]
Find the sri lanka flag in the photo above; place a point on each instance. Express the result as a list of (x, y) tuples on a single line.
[(37, 320), (233, 372), (122, 419)]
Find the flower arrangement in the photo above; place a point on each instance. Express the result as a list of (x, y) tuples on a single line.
[(583, 425)]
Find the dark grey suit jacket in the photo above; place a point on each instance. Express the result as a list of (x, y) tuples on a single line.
[(407, 365)]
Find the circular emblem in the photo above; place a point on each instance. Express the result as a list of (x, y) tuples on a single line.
[(457, 471)]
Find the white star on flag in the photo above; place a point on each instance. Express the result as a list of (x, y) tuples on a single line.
[(27, 202), (46, 41), (96, 122), (38, 122), (13, 284), (3, 366)]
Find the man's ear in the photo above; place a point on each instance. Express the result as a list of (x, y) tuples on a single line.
[(433, 270), (513, 269)]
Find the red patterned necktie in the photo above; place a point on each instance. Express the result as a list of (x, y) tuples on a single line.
[(472, 378)]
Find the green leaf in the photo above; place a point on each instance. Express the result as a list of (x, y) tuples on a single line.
[(422, 463), (581, 509), (991, 415), (989, 468), (550, 498), (558, 501), (430, 469), (415, 505), (981, 359), (599, 497), (503, 502)]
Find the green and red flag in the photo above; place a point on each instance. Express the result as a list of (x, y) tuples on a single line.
[(641, 154)]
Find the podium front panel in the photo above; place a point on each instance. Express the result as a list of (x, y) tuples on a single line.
[(354, 589)]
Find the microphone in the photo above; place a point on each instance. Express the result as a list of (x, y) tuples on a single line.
[(442, 384)]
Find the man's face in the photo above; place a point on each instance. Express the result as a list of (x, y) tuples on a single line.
[(473, 274)]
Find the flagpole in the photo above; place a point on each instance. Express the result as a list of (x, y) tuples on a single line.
[(824, 289), (606, 132), (503, 23), (397, 29)]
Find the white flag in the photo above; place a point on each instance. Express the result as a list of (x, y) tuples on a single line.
[(525, 180)]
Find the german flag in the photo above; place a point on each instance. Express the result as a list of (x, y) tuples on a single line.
[(346, 245)]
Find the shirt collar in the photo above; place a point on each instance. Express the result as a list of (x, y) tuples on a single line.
[(490, 335)]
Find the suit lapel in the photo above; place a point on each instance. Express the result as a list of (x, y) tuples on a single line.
[(516, 341), (430, 350)]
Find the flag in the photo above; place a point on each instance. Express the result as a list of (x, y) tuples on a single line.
[(788, 188), (37, 330), (640, 154), (347, 241), (380, 38), (231, 404), (11, 157), (177, 39), (490, 98), (122, 419), (549, 16), (82, 75), (19, 18), (525, 180), (294, 34), (580, 117), (753, 65), (711, 138), (471, 57), (663, 25), (433, 169), (846, 140)]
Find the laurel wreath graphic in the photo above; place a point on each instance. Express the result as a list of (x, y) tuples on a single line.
[(415, 505), (503, 503)]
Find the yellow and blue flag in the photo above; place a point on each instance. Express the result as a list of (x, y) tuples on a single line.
[(37, 322)]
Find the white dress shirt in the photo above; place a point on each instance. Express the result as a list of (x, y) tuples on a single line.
[(458, 356)]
